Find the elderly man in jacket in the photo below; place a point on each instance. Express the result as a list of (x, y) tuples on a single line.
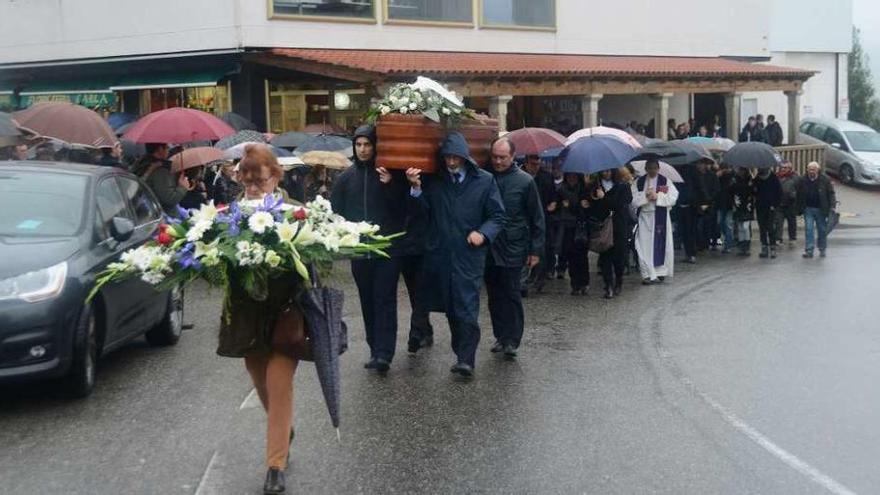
[(519, 244), (815, 200), (465, 214)]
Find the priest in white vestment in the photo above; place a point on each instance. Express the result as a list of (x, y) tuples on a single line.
[(653, 198)]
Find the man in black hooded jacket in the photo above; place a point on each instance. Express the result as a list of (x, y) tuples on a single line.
[(361, 194)]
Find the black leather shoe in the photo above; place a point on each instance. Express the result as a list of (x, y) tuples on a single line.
[(509, 351), (383, 365), (413, 346), (463, 369), (371, 364), (618, 287), (609, 293), (497, 347), (274, 482)]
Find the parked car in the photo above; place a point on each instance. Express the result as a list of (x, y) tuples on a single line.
[(853, 153), (62, 223)]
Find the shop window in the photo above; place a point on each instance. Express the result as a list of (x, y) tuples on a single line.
[(211, 99), (430, 11), (530, 14), (292, 107), (341, 9)]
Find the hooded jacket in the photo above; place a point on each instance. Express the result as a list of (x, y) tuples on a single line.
[(358, 195), (454, 268)]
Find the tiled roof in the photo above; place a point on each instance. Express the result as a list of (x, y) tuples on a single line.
[(399, 62)]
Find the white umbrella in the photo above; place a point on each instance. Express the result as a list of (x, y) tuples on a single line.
[(666, 170), (607, 131)]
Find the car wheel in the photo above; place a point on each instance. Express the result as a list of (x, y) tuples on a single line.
[(80, 380), (847, 175), (168, 331)]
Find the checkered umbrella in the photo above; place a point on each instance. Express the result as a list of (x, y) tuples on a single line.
[(240, 137)]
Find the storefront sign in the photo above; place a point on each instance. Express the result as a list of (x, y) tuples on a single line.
[(89, 100)]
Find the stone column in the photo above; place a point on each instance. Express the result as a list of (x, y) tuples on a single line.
[(733, 107), (590, 109), (498, 110), (794, 115), (661, 114)]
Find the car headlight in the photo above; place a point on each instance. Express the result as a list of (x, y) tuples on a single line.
[(35, 286)]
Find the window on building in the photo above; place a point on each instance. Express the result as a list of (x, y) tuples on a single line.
[(293, 106), (519, 13), (457, 11), (353, 9)]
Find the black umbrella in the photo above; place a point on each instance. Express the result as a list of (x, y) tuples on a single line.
[(326, 142), (322, 309), (123, 128), (292, 139), (692, 153), (238, 122), (752, 155), (660, 149), (239, 137)]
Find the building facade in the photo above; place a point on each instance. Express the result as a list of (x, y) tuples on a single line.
[(566, 64)]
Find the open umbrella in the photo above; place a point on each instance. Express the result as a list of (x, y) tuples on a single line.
[(692, 153), (718, 144), (322, 309), (752, 155), (329, 159), (666, 170), (292, 139), (551, 153), (535, 140), (290, 162), (660, 149), (10, 134), (73, 124), (178, 125), (589, 155), (118, 119), (237, 152), (604, 131), (195, 157), (316, 129), (238, 122), (326, 142), (240, 137), (131, 151)]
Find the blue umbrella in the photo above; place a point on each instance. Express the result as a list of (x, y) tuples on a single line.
[(551, 153), (119, 119), (592, 154)]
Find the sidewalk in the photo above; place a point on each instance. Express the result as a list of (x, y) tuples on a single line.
[(859, 206)]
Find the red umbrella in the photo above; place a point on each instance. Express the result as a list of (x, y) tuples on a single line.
[(195, 157), (323, 129), (178, 125), (534, 140), (67, 122)]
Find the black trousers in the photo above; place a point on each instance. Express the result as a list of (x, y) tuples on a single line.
[(376, 281), (706, 226), (465, 331), (767, 226), (786, 214), (612, 263), (687, 221), (505, 303), (577, 259), (419, 320)]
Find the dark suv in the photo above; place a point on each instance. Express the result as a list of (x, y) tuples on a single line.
[(60, 225)]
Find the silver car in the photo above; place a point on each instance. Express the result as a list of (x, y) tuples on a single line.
[(853, 153)]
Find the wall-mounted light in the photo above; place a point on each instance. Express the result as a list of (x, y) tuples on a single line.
[(341, 101)]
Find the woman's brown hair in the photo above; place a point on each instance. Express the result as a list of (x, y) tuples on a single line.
[(256, 157)]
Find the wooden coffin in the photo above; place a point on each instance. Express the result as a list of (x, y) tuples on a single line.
[(414, 141)]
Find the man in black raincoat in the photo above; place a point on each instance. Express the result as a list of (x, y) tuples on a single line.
[(361, 193), (465, 214), (519, 244)]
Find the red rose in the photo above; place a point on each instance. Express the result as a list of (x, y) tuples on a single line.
[(164, 238), (220, 206), (300, 214), (163, 227)]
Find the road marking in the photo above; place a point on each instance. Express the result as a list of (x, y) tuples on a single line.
[(251, 401), (732, 419), (201, 489)]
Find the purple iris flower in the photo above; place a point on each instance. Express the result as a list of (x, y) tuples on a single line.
[(183, 213), (186, 257), (232, 218), (171, 220), (271, 204)]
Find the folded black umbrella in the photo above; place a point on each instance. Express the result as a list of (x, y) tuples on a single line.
[(752, 155), (322, 309)]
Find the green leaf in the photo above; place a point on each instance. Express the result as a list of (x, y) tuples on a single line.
[(432, 114)]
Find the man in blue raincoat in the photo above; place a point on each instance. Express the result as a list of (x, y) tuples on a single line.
[(465, 213)]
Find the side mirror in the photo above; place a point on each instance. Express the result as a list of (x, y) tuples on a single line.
[(121, 229), (836, 145)]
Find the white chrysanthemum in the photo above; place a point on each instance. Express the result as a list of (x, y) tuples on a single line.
[(198, 230), (403, 101), (413, 106), (153, 278), (349, 240), (141, 257), (261, 221), (446, 111), (384, 109), (207, 213), (286, 231)]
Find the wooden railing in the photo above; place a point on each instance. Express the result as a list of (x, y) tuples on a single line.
[(802, 154)]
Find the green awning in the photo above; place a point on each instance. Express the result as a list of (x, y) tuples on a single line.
[(69, 86), (175, 80)]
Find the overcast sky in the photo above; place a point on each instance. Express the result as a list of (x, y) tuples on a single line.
[(866, 17)]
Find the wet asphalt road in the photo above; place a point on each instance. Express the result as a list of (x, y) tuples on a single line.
[(738, 376)]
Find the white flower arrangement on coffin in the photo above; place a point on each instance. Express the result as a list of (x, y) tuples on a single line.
[(426, 97)]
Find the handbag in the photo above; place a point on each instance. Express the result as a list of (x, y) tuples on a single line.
[(290, 334), (602, 235)]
